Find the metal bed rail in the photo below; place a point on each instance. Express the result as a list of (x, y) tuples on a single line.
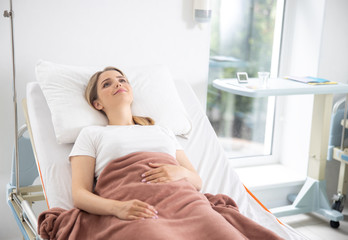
[(21, 193), (21, 206)]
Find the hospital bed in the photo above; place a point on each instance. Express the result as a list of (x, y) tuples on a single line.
[(201, 146)]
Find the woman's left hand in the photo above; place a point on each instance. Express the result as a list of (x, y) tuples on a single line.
[(163, 173)]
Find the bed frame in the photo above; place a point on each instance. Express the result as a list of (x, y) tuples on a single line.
[(217, 175), (21, 200)]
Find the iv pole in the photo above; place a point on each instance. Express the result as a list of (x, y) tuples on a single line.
[(21, 203), (9, 14)]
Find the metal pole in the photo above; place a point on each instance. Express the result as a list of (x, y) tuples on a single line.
[(9, 14)]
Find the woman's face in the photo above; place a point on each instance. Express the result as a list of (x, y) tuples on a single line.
[(113, 91)]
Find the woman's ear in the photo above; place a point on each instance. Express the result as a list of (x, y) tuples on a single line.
[(97, 105)]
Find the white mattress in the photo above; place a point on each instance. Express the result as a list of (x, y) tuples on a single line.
[(202, 148)]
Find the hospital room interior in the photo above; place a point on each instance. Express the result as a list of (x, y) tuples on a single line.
[(254, 91)]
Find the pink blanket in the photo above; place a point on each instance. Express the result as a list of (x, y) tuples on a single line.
[(184, 213)]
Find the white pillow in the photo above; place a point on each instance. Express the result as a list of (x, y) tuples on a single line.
[(154, 93)]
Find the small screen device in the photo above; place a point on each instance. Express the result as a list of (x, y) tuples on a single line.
[(242, 77)]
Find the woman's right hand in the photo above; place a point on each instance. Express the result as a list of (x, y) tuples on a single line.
[(82, 187), (134, 210)]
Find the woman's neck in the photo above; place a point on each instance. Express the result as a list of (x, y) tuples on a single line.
[(121, 117)]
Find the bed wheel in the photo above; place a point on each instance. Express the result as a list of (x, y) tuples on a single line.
[(338, 202), (334, 224), (337, 206)]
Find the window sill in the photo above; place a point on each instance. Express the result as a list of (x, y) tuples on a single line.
[(271, 184), (269, 176)]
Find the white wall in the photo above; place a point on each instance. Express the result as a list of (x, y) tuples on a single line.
[(86, 32), (300, 53), (333, 63)]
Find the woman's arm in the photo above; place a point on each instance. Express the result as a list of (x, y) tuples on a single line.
[(82, 187), (168, 173)]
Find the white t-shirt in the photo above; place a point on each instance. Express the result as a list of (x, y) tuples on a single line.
[(114, 141)]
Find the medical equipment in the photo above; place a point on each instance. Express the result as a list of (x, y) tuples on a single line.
[(20, 191), (9, 14), (338, 150), (21, 201), (242, 77), (202, 11), (201, 146)]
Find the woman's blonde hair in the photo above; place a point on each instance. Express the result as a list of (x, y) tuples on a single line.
[(91, 95)]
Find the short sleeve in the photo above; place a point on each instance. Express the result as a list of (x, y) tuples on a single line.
[(84, 144), (172, 136)]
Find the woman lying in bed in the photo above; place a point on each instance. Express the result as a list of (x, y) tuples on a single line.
[(146, 186), (110, 92)]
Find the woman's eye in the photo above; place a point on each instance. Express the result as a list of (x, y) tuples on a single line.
[(106, 85), (123, 80)]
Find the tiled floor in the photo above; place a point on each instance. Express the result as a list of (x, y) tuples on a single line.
[(317, 228)]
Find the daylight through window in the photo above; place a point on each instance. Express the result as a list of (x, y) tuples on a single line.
[(244, 37)]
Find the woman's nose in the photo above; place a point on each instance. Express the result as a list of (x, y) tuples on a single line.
[(118, 84)]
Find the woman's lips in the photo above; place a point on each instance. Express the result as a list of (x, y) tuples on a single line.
[(120, 90)]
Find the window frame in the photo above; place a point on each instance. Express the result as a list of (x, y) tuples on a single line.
[(271, 131)]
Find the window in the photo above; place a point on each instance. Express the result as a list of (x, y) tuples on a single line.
[(245, 37)]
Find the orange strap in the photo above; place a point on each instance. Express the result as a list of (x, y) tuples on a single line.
[(258, 201), (42, 182)]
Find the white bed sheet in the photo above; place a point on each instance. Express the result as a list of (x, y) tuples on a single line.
[(202, 148)]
